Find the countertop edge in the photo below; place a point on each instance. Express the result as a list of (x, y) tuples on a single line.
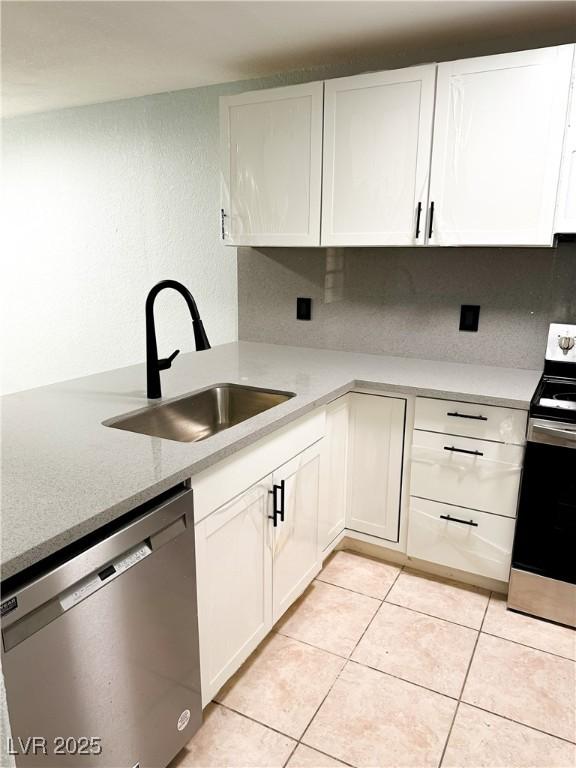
[(39, 552)]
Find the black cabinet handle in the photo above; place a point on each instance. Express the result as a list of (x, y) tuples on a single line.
[(431, 220), (278, 496), (418, 214), (458, 520), (467, 416), (222, 217), (463, 450)]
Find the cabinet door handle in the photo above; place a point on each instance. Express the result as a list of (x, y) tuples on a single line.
[(222, 217), (467, 416), (458, 520), (278, 496), (462, 450), (431, 220), (418, 214)]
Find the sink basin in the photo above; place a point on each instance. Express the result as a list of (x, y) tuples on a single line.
[(201, 414)]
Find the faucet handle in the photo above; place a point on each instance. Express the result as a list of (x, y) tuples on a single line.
[(166, 362)]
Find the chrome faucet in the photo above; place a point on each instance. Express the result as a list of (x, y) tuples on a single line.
[(153, 364)]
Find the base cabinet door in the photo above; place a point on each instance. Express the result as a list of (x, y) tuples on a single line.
[(234, 583), (295, 557), (376, 448), (333, 473), (498, 131)]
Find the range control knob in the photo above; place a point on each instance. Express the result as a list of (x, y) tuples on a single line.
[(565, 343)]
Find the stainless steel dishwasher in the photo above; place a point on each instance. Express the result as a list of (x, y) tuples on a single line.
[(100, 653)]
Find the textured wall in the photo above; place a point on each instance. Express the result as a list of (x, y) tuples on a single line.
[(406, 301), (100, 203)]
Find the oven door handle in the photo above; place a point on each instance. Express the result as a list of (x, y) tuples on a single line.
[(543, 433)]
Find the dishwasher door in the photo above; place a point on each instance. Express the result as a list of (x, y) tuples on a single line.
[(100, 655)]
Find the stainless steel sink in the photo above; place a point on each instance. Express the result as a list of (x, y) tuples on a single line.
[(201, 414)]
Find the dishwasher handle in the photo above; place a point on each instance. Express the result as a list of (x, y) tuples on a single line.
[(143, 535)]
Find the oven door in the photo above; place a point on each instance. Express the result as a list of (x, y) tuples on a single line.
[(546, 526)]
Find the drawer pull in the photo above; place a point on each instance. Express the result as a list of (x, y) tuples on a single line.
[(463, 450), (467, 416), (458, 520)]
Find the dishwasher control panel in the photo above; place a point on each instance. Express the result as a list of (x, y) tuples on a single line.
[(92, 583)]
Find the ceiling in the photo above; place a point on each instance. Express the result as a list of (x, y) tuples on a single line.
[(62, 54)]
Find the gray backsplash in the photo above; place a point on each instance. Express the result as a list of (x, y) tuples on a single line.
[(406, 301)]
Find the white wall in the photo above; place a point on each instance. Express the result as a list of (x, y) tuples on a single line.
[(100, 203)]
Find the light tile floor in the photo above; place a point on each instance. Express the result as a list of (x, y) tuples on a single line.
[(377, 666)]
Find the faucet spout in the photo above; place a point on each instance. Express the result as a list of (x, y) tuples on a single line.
[(153, 364)]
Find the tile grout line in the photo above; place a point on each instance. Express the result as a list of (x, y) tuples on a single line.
[(532, 647), (339, 674), (253, 720), (354, 591), (522, 725), (459, 701), (310, 645), (432, 616)]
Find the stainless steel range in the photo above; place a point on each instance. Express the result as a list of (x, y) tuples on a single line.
[(543, 577)]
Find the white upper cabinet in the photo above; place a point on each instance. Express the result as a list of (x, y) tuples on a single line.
[(498, 132), (272, 166), (377, 140), (566, 206)]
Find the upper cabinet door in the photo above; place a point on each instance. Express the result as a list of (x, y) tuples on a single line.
[(566, 206), (498, 132), (272, 166), (377, 140)]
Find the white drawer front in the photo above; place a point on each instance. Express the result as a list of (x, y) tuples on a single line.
[(484, 548), (470, 473), (488, 422)]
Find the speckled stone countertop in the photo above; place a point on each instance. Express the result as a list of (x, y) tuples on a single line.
[(64, 474)]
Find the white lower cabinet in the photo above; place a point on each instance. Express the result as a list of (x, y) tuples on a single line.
[(334, 472), (479, 474), (476, 542), (249, 571), (265, 517), (295, 556), (375, 458), (234, 575)]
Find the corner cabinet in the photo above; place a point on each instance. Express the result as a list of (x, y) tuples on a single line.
[(498, 132), (334, 472), (375, 460), (377, 142), (271, 146)]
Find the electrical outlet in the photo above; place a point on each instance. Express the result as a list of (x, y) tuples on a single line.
[(303, 308), (469, 317)]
